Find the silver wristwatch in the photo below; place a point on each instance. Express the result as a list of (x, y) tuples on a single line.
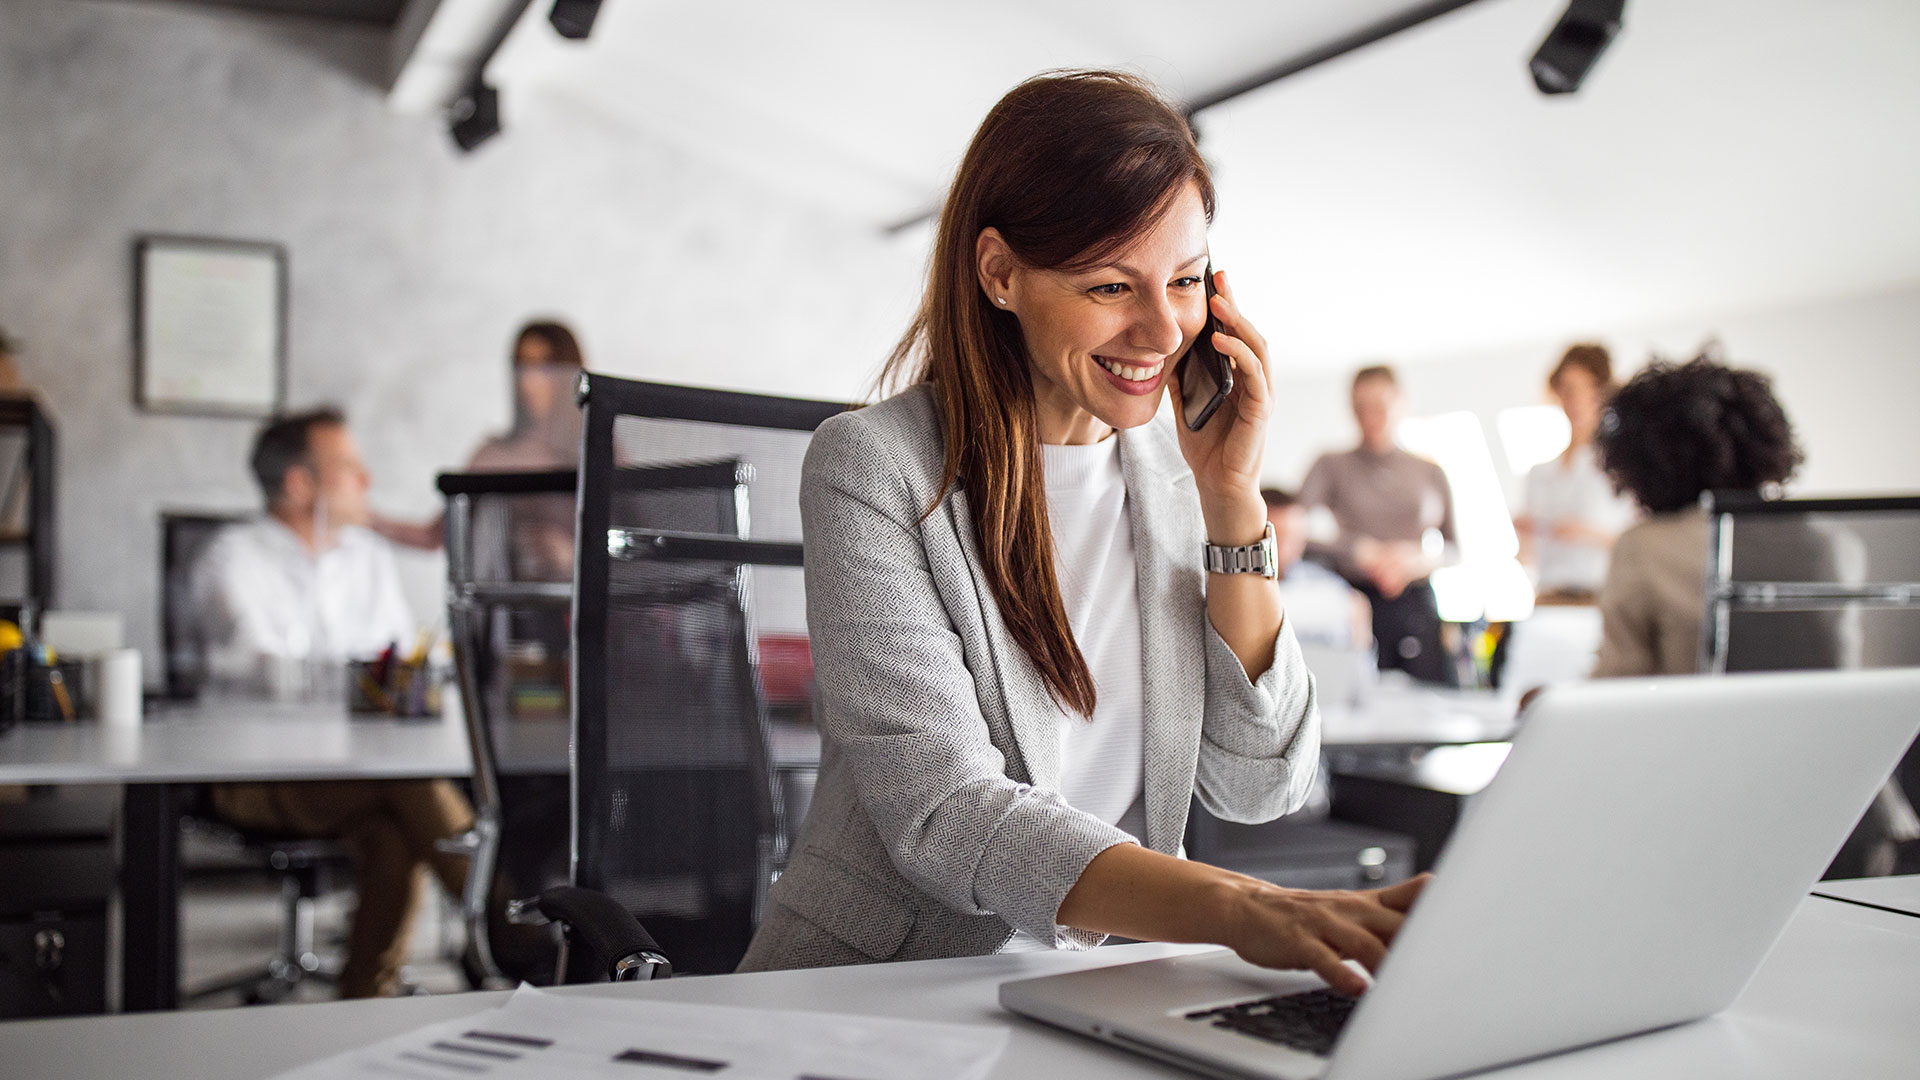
[(1257, 558)]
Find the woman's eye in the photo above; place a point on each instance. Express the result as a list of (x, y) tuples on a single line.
[(1187, 282), (1114, 289)]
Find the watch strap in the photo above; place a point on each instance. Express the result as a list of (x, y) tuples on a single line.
[(1259, 557)]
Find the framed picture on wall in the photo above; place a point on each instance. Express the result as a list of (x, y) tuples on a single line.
[(210, 326)]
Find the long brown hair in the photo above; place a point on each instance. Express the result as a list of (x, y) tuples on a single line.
[(1070, 167), (563, 351)]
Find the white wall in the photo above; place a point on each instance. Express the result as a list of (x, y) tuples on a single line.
[(1846, 369), (411, 265)]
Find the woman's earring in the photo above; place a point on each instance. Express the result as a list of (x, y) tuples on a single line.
[(1002, 299)]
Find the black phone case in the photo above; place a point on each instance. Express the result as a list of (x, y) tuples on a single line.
[(1223, 375)]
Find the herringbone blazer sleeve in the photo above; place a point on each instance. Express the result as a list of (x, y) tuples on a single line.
[(1260, 740), (900, 703)]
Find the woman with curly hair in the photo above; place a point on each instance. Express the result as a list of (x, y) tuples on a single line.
[(1673, 432)]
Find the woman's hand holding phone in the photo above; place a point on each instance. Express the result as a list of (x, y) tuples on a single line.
[(1226, 452)]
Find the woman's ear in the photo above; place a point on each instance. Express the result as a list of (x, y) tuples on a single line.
[(995, 263)]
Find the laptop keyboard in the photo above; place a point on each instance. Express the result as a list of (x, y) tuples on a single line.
[(1309, 1021)]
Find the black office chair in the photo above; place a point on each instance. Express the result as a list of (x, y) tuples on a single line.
[(509, 543), (184, 538), (689, 530), (1816, 584), (307, 868)]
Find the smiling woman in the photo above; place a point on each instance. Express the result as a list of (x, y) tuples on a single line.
[(1042, 622)]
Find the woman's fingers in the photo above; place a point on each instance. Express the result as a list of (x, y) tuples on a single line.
[(1402, 896), (1248, 370), (1326, 963), (1378, 919), (1230, 316), (1354, 942)]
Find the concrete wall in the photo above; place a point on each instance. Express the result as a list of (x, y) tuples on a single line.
[(411, 265)]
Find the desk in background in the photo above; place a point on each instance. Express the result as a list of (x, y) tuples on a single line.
[(1898, 895), (1836, 997), (224, 741), (212, 743)]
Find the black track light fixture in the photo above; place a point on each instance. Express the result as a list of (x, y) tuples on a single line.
[(574, 18), (1575, 44), (474, 116)]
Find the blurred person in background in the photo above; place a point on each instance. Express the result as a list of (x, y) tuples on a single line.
[(1394, 510), (304, 589), (545, 436), (10, 382), (1671, 433), (1572, 512), (1322, 607)]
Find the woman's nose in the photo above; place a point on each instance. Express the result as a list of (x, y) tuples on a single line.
[(1159, 326)]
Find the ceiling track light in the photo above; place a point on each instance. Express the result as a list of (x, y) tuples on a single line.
[(1574, 45), (573, 19), (474, 116)]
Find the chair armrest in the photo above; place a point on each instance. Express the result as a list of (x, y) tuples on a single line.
[(614, 940)]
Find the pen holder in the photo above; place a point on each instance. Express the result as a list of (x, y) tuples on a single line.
[(34, 690), (394, 688)]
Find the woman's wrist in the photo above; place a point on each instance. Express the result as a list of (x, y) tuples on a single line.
[(1228, 904), (1234, 519)]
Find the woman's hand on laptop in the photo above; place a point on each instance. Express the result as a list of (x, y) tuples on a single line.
[(1301, 928), (1143, 894)]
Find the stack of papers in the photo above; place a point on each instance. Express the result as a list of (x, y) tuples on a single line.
[(561, 1037)]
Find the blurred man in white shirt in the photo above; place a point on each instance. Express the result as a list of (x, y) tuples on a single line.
[(308, 585), (302, 590)]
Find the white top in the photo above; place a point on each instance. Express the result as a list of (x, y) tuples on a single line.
[(1573, 489), (262, 596), (1102, 759)]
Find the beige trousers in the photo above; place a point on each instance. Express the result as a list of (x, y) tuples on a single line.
[(390, 826)]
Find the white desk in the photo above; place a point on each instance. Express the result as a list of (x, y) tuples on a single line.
[(1406, 714), (223, 741), (1900, 895), (1836, 998), (210, 743), (236, 741)]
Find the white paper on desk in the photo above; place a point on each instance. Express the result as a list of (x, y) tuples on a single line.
[(563, 1037)]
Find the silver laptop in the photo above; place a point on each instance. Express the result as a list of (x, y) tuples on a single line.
[(1638, 854)]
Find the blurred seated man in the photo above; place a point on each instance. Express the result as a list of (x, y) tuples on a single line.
[(300, 591), (1387, 502), (1321, 607)]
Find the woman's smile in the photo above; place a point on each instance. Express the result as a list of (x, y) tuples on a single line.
[(1133, 377)]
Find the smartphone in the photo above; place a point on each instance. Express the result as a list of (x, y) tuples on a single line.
[(1205, 378)]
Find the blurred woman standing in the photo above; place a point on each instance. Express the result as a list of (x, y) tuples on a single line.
[(1573, 514)]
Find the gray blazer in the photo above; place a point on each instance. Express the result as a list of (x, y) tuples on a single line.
[(935, 829)]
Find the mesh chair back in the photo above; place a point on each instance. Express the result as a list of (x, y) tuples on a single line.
[(689, 511), (510, 549), (510, 544), (184, 538), (1811, 584)]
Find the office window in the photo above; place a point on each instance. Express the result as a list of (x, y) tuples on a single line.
[(1488, 581), (1532, 434)]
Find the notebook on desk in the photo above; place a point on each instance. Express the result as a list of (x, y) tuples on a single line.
[(1628, 869)]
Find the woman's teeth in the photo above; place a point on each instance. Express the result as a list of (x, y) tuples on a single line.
[(1130, 372)]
